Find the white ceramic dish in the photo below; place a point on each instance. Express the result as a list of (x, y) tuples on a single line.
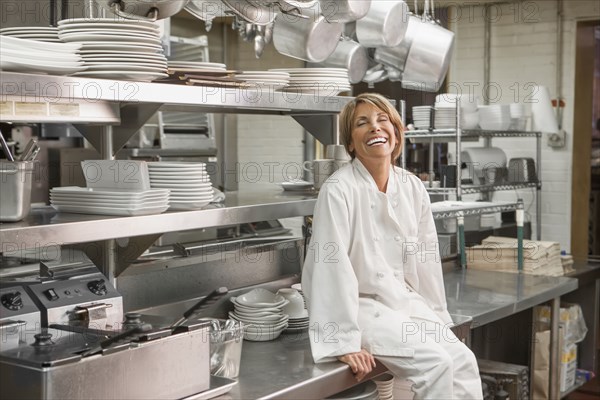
[(83, 38), (124, 75), (112, 21), (110, 210), (92, 67), (50, 58), (109, 200), (162, 164), (116, 205), (8, 63), (110, 192), (260, 298), (7, 41), (107, 25), (271, 320), (122, 46)]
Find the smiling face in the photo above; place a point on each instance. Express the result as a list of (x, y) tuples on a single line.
[(373, 134)]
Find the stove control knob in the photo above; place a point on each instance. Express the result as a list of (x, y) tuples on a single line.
[(12, 301), (97, 287)]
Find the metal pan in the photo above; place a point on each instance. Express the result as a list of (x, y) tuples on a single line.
[(384, 25), (344, 10)]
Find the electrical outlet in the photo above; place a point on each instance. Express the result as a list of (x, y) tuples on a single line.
[(557, 140)]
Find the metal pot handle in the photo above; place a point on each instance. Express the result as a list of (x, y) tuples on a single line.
[(116, 9)]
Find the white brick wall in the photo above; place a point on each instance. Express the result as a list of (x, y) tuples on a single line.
[(524, 51)]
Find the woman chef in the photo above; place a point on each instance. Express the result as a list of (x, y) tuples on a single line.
[(372, 276)]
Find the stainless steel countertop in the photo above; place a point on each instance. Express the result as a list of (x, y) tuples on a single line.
[(284, 368), (488, 296)]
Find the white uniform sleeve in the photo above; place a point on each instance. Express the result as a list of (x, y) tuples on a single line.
[(429, 270), (329, 282)]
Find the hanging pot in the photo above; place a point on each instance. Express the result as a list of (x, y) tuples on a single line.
[(396, 57), (344, 10), (352, 56), (311, 40), (429, 55), (253, 12), (147, 10), (384, 25)]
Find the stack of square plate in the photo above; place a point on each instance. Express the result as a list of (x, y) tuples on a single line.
[(188, 183), (39, 33), (445, 117), (318, 81), (117, 49), (26, 55), (109, 201)]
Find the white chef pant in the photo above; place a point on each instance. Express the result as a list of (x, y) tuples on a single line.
[(442, 366)]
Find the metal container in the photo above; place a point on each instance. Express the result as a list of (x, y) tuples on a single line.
[(344, 10), (15, 190), (310, 40), (352, 56), (521, 170), (143, 9), (395, 57), (171, 366), (226, 340), (384, 25)]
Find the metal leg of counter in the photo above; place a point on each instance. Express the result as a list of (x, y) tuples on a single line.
[(554, 389)]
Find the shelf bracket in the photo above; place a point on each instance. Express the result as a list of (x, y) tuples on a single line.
[(323, 127), (126, 251), (133, 117)]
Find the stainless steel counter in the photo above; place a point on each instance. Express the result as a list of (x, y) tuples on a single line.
[(489, 296), (284, 368)]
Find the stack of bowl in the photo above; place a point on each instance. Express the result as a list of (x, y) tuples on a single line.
[(261, 312), (295, 309), (385, 386)]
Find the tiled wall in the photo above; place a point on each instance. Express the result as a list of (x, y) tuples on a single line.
[(524, 52)]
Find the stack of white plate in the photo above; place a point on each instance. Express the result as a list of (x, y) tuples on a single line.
[(364, 391), (188, 183), (318, 81), (445, 117), (422, 117), (197, 66), (495, 117), (109, 201), (261, 312), (518, 116), (385, 386), (296, 325), (117, 49), (26, 55), (39, 33), (266, 79)]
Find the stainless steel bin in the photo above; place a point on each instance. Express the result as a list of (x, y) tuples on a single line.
[(15, 189)]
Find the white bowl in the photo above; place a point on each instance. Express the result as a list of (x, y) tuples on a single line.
[(260, 298), (249, 309)]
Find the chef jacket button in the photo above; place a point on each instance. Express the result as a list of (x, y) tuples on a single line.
[(380, 274), (376, 238), (377, 314), (372, 205), (396, 274), (395, 204), (397, 238)]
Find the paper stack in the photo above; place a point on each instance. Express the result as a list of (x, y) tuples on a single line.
[(500, 254)]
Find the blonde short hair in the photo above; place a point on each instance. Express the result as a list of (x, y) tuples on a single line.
[(379, 102)]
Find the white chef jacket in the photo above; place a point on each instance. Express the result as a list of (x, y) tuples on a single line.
[(372, 263)]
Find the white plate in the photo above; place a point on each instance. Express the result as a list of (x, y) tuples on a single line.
[(186, 206), (260, 298), (104, 57), (126, 46), (297, 186), (33, 36), (93, 67), (113, 21), (110, 210), (29, 29), (22, 65), (182, 165), (83, 38), (38, 57), (125, 75), (177, 174), (108, 198), (198, 64), (177, 186), (191, 199), (198, 179), (106, 26), (23, 44), (120, 206), (110, 192)]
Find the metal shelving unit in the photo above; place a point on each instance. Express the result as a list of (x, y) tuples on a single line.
[(108, 112), (457, 136)]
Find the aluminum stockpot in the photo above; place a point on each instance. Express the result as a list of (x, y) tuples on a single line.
[(311, 39), (143, 9), (344, 10), (428, 58), (384, 25), (396, 57), (352, 56)]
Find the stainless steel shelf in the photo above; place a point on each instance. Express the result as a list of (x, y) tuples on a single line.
[(470, 189), (441, 211), (450, 134), (49, 89), (46, 227)]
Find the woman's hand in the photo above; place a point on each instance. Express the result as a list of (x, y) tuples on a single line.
[(361, 363)]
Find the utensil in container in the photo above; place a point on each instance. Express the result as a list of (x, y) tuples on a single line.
[(6, 149), (384, 24), (226, 339), (15, 190)]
